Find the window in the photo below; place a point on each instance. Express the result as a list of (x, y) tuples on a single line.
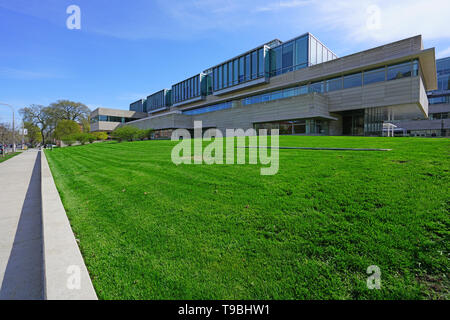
[(230, 73), (316, 87), (319, 53), (195, 87), (254, 71), (225, 75), (399, 71), (444, 82), (375, 75), (301, 53), (287, 57), (236, 71), (334, 84), (275, 61), (415, 68), (261, 62), (313, 51), (215, 107), (275, 95), (247, 67), (220, 77), (353, 80), (216, 79), (241, 69)]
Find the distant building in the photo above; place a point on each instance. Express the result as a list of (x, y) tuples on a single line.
[(106, 120)]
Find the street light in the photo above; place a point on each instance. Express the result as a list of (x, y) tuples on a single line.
[(14, 129)]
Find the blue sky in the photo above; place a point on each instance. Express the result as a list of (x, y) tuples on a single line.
[(126, 50)]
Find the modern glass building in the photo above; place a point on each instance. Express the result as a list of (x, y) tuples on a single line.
[(438, 122), (301, 87)]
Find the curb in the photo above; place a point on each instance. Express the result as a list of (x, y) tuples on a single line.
[(65, 274)]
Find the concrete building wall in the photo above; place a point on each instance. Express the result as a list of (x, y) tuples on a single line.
[(388, 93)]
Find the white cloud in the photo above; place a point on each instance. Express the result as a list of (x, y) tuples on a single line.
[(397, 19)]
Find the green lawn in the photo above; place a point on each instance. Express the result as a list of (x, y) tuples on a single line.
[(149, 229), (8, 156)]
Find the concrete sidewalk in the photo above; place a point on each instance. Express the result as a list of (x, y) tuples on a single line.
[(21, 252)]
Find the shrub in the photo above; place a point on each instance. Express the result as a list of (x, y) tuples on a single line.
[(82, 138), (91, 138), (148, 133), (100, 135), (69, 140), (127, 133)]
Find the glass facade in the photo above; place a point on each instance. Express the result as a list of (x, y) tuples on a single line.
[(375, 75), (138, 106), (409, 68), (398, 71), (158, 100), (276, 95), (318, 53), (240, 69), (289, 56), (297, 126), (111, 119), (353, 80), (442, 94), (187, 89), (214, 107)]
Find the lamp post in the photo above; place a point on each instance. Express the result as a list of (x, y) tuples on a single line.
[(13, 128)]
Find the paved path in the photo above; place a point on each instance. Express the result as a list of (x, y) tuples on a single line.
[(21, 257)]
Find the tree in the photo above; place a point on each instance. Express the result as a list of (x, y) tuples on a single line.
[(128, 133), (34, 135), (66, 128), (86, 124), (5, 133), (70, 110), (42, 117), (46, 118)]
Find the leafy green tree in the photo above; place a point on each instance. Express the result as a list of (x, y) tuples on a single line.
[(34, 134), (66, 128), (127, 133)]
